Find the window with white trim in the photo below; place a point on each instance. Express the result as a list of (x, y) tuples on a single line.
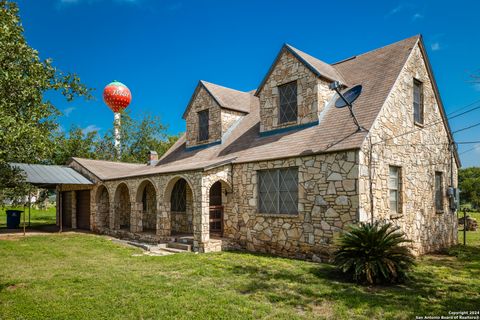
[(418, 101), (439, 191), (278, 191), (394, 188)]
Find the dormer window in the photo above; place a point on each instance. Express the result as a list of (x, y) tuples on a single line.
[(288, 102), (203, 125), (418, 102)]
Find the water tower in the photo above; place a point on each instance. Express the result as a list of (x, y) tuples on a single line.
[(117, 97)]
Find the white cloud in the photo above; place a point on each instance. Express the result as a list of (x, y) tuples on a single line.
[(417, 16), (68, 110), (435, 46), (90, 128), (395, 10)]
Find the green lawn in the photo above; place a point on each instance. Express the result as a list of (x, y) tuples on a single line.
[(37, 217), (472, 237), (81, 276)]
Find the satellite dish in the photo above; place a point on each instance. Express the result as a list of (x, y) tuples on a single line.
[(350, 96)]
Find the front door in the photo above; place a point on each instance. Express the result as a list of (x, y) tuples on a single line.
[(83, 209), (216, 209)]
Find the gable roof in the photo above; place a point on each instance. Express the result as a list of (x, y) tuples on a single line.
[(225, 97), (318, 67), (377, 71)]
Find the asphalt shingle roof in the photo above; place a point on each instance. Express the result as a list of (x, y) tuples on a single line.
[(376, 71)]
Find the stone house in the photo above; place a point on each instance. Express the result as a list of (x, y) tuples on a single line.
[(281, 170)]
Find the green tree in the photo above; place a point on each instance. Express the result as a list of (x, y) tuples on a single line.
[(469, 184), (27, 119), (138, 138), (75, 143)]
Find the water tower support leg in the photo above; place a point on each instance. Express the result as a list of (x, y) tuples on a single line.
[(118, 147)]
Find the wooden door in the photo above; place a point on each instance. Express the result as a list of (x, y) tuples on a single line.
[(66, 209), (216, 209), (83, 209)]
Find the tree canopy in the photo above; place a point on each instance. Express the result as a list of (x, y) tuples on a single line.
[(27, 119), (469, 184), (139, 136)]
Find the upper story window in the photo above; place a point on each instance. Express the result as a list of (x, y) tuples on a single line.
[(417, 101), (278, 191), (438, 191), (394, 187), (203, 125), (288, 102)]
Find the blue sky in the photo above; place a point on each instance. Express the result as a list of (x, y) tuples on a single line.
[(160, 49)]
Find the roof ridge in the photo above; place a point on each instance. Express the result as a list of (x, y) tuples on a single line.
[(109, 161), (325, 73), (223, 87), (418, 36)]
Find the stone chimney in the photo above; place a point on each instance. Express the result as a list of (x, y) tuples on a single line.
[(153, 159)]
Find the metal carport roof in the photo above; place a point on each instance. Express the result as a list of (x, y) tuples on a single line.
[(50, 175)]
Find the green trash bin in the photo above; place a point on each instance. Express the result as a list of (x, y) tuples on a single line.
[(13, 219)]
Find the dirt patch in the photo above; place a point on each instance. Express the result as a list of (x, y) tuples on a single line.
[(323, 308), (13, 287)]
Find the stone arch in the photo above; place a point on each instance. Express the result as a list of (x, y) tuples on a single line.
[(146, 199), (178, 218), (224, 182), (102, 202), (123, 207), (218, 191)]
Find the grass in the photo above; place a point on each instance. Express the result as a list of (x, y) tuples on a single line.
[(472, 237), (83, 276), (37, 217)]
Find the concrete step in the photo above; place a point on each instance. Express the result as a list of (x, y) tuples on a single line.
[(179, 246), (174, 250), (185, 240)]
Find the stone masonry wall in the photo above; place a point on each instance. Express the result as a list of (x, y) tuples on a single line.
[(312, 93), (229, 117), (203, 100), (328, 201), (419, 155)]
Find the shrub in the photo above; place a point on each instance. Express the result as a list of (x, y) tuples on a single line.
[(374, 253)]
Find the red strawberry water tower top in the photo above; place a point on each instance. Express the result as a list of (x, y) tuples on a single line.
[(117, 96)]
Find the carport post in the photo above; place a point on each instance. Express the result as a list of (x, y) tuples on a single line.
[(24, 219), (60, 207), (29, 206)]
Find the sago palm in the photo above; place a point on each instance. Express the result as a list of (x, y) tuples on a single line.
[(374, 253)]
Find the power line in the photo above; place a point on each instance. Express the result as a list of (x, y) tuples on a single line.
[(463, 108), (471, 149), (435, 123), (466, 128), (465, 112)]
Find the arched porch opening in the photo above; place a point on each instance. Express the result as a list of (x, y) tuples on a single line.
[(218, 203), (147, 197), (123, 207), (102, 200), (180, 207)]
